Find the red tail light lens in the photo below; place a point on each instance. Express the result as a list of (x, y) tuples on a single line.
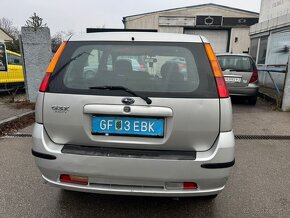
[(81, 180), (45, 82), (189, 185), (51, 67), (222, 87), (218, 74), (255, 76)]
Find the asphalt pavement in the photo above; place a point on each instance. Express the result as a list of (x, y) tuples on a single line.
[(11, 110), (258, 187)]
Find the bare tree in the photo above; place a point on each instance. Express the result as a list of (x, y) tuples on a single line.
[(7, 25), (58, 38), (35, 22)]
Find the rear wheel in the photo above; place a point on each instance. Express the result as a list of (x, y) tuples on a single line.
[(252, 100)]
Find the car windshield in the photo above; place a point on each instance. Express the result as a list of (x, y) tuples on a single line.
[(235, 62), (153, 68)]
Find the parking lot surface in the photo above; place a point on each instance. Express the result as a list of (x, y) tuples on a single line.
[(258, 187)]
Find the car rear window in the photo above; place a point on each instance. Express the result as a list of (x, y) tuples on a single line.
[(155, 69), (237, 63)]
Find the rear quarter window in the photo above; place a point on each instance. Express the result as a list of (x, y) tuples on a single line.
[(155, 69)]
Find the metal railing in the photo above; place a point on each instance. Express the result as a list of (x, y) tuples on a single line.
[(272, 68)]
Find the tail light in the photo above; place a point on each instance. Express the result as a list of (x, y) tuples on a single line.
[(51, 67), (44, 83), (80, 180), (142, 66), (222, 88), (189, 185), (254, 77)]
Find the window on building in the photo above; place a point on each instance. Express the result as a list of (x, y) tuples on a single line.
[(262, 50), (13, 59), (254, 48)]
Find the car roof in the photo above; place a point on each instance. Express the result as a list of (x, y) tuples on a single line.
[(138, 36)]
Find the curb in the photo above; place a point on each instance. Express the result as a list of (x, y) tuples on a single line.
[(11, 120)]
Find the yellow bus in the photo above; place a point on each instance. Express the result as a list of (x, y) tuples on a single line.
[(14, 77)]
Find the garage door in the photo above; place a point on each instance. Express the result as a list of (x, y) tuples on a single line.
[(217, 38)]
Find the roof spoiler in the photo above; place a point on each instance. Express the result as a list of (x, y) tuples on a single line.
[(101, 30)]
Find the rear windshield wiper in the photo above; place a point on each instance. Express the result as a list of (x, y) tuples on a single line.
[(145, 98), (69, 61)]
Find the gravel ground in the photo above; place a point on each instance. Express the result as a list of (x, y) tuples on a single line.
[(6, 97)]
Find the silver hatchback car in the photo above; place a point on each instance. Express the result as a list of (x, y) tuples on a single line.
[(135, 132), (241, 75)]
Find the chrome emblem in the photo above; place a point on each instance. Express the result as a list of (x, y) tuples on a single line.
[(128, 101), (60, 109)]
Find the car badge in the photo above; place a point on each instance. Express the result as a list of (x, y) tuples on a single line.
[(128, 101), (60, 109)]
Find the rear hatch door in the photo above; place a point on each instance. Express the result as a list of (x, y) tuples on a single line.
[(184, 113)]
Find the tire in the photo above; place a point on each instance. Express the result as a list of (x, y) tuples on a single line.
[(252, 100)]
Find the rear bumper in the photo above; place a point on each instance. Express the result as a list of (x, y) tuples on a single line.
[(250, 90), (136, 176)]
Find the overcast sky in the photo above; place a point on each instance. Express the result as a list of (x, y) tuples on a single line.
[(77, 15)]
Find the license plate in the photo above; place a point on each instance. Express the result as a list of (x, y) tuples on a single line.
[(128, 126), (233, 79)]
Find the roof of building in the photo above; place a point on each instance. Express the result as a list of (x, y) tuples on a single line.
[(138, 37), (194, 6), (7, 34)]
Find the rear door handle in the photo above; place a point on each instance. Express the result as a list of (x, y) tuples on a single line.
[(148, 111)]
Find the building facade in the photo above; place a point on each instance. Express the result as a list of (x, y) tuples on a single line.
[(226, 28), (270, 38)]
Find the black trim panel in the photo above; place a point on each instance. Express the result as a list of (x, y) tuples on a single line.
[(218, 165), (102, 30), (129, 153), (42, 155)]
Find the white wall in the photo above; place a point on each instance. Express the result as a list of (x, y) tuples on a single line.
[(243, 40), (169, 29), (286, 95), (277, 43), (273, 8)]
